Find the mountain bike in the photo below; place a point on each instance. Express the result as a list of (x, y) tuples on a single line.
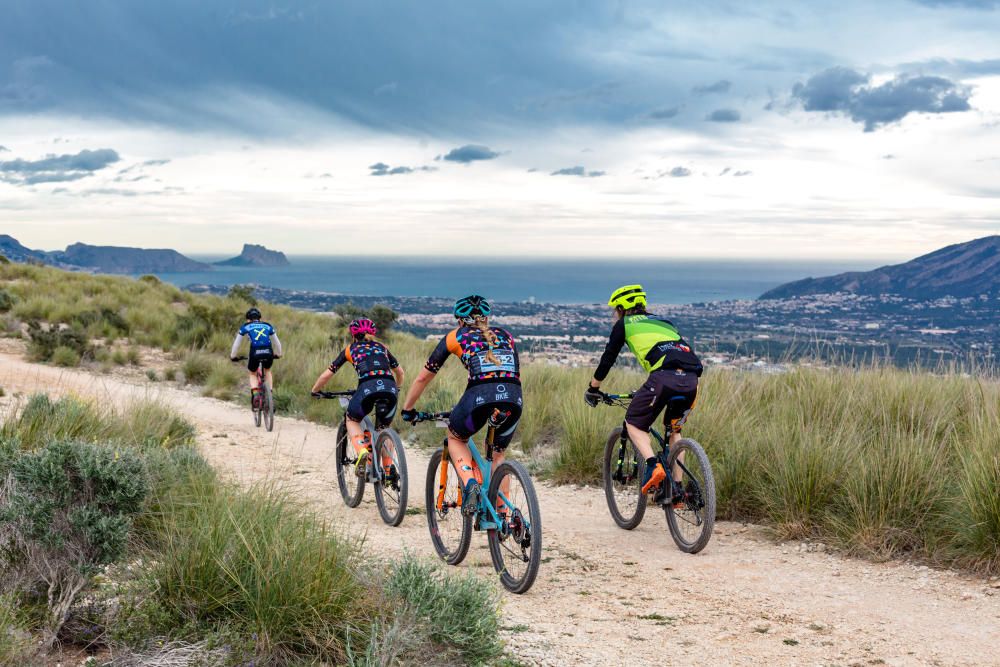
[(690, 503), (508, 511), (264, 409), (385, 468)]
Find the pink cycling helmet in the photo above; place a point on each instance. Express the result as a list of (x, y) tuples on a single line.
[(362, 326)]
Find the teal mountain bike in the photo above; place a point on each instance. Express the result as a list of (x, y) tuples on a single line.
[(508, 511)]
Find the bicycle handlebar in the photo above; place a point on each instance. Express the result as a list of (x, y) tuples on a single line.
[(332, 394), (430, 416)]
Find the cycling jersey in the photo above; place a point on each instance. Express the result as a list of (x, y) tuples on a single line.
[(263, 340), (369, 358), (654, 341), (470, 346)]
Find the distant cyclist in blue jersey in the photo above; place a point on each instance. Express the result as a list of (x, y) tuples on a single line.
[(264, 349)]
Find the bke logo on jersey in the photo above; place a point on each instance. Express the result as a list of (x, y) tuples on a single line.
[(480, 400)]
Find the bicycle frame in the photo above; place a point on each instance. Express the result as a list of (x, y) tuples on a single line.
[(491, 521)]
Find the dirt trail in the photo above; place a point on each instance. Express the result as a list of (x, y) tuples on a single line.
[(605, 596)]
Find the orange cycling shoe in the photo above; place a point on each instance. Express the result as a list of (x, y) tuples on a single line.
[(659, 474)]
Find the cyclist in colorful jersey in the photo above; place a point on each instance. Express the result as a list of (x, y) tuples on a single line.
[(490, 356), (264, 349), (379, 377), (672, 386)]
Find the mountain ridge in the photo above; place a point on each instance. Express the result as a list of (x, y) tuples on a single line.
[(256, 255), (964, 269)]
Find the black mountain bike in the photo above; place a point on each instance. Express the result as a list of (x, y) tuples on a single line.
[(385, 468), (689, 503), (264, 410)]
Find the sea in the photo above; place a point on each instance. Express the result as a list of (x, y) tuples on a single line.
[(568, 281)]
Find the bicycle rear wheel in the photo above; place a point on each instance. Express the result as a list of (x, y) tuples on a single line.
[(256, 413), (516, 548), (451, 531), (692, 522), (267, 407), (623, 471), (352, 487), (391, 491)]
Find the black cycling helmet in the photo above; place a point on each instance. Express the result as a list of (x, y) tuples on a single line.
[(253, 314), (472, 305)]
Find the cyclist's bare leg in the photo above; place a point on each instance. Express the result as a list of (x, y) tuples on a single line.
[(254, 384), (642, 441), (268, 379), (461, 457), (674, 439), (354, 433)]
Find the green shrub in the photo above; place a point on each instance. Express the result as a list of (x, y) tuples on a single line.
[(222, 381), (170, 374), (257, 563), (119, 357), (15, 640), (196, 368), (65, 356), (67, 511), (44, 342), (140, 425), (459, 612), (152, 376), (134, 356), (6, 300)]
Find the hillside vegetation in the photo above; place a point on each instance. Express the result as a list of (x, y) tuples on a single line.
[(118, 539), (879, 461)]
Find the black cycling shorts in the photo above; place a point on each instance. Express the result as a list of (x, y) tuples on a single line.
[(477, 405), (378, 393), (672, 392), (262, 357)]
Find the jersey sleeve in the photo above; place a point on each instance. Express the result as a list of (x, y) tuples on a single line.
[(337, 363), (611, 351), (439, 355), (236, 343), (393, 363)]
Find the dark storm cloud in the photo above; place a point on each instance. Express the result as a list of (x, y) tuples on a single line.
[(382, 169), (57, 168), (664, 114), (968, 4), (469, 153), (723, 116), (843, 90), (717, 87), (577, 171)]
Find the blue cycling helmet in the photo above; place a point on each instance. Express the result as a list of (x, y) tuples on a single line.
[(471, 306)]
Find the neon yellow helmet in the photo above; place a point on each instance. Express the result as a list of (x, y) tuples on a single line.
[(628, 296)]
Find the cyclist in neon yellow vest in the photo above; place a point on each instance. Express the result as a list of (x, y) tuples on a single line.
[(672, 386)]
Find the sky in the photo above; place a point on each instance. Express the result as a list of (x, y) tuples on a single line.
[(836, 130)]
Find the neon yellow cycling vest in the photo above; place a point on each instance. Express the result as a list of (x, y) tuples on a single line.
[(643, 333)]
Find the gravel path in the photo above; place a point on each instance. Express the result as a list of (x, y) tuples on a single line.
[(605, 596)]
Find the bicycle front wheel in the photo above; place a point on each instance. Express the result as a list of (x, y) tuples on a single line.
[(692, 520), (451, 531), (623, 471), (352, 486), (267, 407), (391, 491), (516, 547)]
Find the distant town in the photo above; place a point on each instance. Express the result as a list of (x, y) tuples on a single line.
[(762, 334)]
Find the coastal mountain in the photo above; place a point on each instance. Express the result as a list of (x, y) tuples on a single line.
[(103, 259), (12, 249), (256, 255), (115, 259), (960, 270)]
